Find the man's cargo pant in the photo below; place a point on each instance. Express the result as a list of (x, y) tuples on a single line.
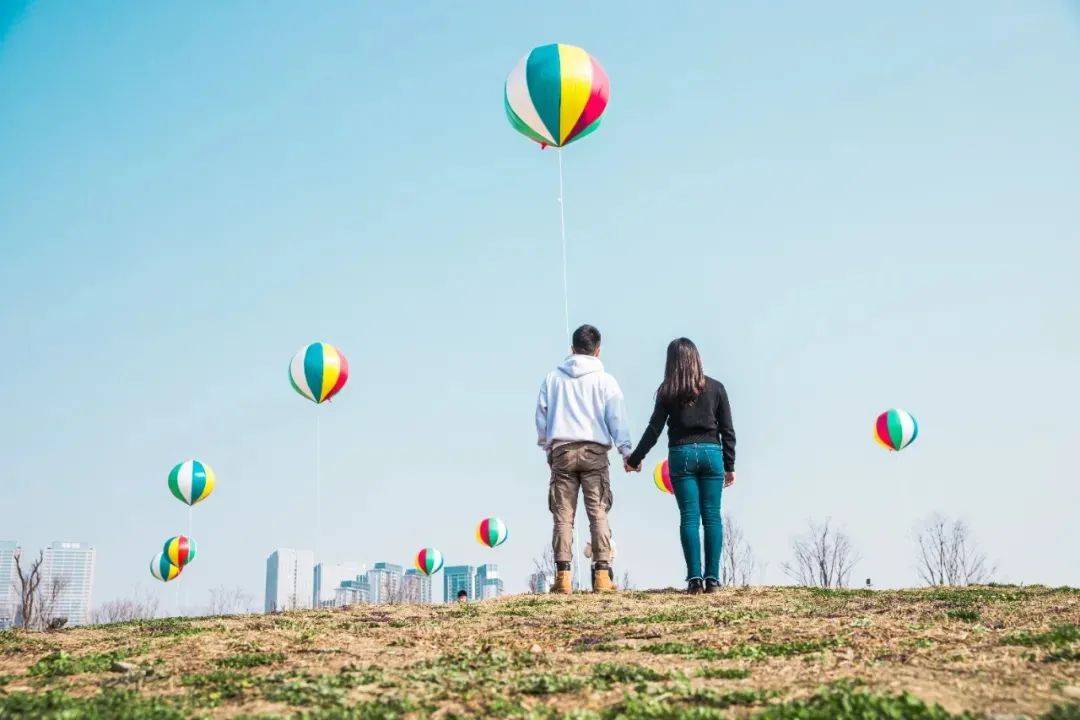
[(584, 465)]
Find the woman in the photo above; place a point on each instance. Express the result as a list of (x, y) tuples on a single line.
[(701, 456)]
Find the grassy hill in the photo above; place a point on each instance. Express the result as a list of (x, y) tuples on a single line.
[(770, 653)]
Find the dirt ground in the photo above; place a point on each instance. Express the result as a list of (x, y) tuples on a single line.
[(757, 652)]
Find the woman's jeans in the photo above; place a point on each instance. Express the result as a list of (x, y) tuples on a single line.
[(697, 475)]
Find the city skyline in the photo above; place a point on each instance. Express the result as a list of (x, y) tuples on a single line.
[(65, 582)]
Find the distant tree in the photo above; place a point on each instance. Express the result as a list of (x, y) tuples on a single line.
[(737, 563), (27, 581), (49, 593), (627, 583), (229, 601), (140, 606), (949, 555), (823, 557)]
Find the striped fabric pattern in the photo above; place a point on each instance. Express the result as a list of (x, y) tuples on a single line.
[(162, 569), (429, 561), (318, 371), (895, 429), (180, 550), (662, 477), (192, 481), (556, 94), (491, 532)]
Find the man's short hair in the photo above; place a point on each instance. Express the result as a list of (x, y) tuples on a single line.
[(585, 340)]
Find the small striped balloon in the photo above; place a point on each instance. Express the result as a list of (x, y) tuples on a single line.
[(162, 569), (429, 561), (662, 477), (318, 371), (491, 532), (180, 550), (556, 94), (192, 481), (895, 429)]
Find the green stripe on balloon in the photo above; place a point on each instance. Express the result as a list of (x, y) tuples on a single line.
[(198, 480), (544, 80), (587, 130), (174, 483), (896, 430), (519, 124), (313, 369)]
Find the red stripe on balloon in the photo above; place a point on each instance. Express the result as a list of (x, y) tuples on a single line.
[(598, 100), (665, 474), (882, 430), (485, 531), (421, 561), (343, 375)]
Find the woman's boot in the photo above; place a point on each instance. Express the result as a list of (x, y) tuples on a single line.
[(693, 587)]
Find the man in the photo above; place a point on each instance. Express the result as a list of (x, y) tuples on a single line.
[(579, 417)]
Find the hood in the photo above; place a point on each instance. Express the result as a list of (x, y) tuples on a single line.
[(577, 365)]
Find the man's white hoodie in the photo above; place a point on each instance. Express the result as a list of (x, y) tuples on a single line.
[(580, 402)]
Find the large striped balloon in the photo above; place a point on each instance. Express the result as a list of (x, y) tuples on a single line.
[(192, 481), (429, 561), (662, 477), (491, 532), (162, 569), (180, 550), (318, 371), (895, 429), (556, 94)]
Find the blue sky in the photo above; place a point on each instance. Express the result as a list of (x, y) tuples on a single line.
[(848, 206)]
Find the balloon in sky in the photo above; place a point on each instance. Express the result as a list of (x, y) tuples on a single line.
[(556, 94), (180, 550), (429, 561), (491, 532), (318, 371), (192, 481), (662, 477), (162, 569), (895, 429)]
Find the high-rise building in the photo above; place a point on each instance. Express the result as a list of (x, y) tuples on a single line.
[(328, 578), (353, 592), (457, 578), (289, 579), (8, 604), (67, 581), (539, 582), (416, 587), (385, 581), (488, 583)]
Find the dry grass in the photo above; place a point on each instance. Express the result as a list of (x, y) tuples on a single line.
[(758, 651)]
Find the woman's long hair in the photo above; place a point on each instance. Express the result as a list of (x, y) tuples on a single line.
[(684, 378)]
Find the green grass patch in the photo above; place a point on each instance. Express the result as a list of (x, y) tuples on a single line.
[(1059, 635), (843, 702), (605, 674), (668, 616), (549, 684), (1061, 655), (250, 660), (682, 704), (756, 651), (965, 614), (721, 673), (62, 663), (684, 649), (1063, 712), (108, 705), (212, 688), (164, 627)]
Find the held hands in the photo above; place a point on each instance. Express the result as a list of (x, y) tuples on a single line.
[(630, 468)]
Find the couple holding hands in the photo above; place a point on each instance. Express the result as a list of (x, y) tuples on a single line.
[(580, 416)]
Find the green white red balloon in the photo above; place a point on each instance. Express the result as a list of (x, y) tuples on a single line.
[(428, 561), (318, 371), (895, 429), (491, 532)]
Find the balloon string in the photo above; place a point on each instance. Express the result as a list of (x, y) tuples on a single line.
[(562, 229), (318, 499)]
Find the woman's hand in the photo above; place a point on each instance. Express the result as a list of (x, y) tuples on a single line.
[(630, 468), (729, 478)]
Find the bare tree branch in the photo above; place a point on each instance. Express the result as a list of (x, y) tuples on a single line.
[(26, 584), (140, 606), (949, 555), (737, 557), (823, 557), (229, 601)]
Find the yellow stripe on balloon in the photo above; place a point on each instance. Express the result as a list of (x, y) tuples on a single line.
[(208, 488), (575, 67), (331, 370)]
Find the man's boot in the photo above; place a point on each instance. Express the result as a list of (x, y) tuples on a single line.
[(564, 584), (602, 578)]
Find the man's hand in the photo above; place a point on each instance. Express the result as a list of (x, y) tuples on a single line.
[(630, 468), (729, 478)]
